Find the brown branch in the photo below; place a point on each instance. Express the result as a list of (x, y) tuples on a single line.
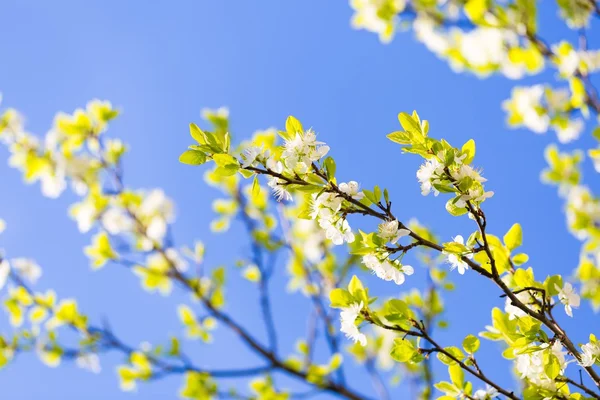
[(421, 332)]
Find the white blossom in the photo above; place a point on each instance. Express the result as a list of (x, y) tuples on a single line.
[(250, 156), (466, 171), (351, 189), (513, 311), (324, 208), (4, 273), (89, 362), (302, 150), (348, 317), (368, 15), (325, 205), (476, 194), (157, 203), (156, 229), (455, 260), (486, 394), (386, 270), (428, 174), (532, 367), (85, 215), (390, 232), (567, 59), (570, 131), (53, 184), (590, 354), (337, 231), (568, 297), (275, 183), (425, 31), (176, 259), (27, 269), (526, 101), (116, 221)]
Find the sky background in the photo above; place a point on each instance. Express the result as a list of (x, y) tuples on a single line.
[(161, 63)]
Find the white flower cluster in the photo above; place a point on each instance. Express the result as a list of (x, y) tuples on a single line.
[(482, 50), (533, 106), (324, 210), (379, 262), (531, 366), (386, 269), (581, 206), (25, 268), (70, 151), (154, 213), (377, 16), (590, 354), (300, 152), (476, 194), (432, 173), (297, 158), (569, 61), (526, 104), (26, 156)]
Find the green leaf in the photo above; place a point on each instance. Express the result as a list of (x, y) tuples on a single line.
[(357, 290), (293, 126), (255, 186), (524, 278), (227, 164), (551, 283), (402, 350), (224, 160), (457, 375), (409, 123), (447, 388), (227, 171), (471, 344), (520, 259), (552, 366), (445, 188), (192, 157), (454, 210), (469, 149), (197, 134), (400, 137), (330, 167), (596, 133), (514, 237), (476, 9), (335, 362), (377, 193), (454, 351), (369, 195), (455, 248), (340, 298), (396, 311)]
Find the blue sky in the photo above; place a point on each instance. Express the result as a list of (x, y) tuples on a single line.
[(161, 63)]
